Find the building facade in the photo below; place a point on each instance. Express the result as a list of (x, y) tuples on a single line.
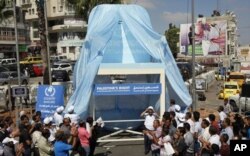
[(66, 32), (7, 32)]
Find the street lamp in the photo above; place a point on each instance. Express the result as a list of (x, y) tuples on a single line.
[(47, 40), (193, 60)]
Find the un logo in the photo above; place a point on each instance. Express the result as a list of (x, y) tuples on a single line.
[(50, 91)]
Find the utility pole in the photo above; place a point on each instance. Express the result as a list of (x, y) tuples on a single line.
[(193, 60), (17, 46), (47, 41)]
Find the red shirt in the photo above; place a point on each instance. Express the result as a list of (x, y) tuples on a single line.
[(216, 125), (83, 136), (224, 150)]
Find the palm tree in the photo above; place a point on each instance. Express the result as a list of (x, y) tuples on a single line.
[(84, 7), (42, 34)]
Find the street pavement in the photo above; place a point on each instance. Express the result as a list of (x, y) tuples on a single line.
[(136, 148)]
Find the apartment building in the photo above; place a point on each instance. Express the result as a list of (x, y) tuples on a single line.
[(7, 32), (66, 32)]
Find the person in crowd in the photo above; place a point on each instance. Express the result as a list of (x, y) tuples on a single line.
[(173, 120), (227, 107), (172, 105), (9, 147), (62, 146), (36, 119), (169, 126), (226, 128), (84, 136), (3, 131), (9, 98), (197, 131), (179, 117), (236, 131), (222, 114), (214, 123), (94, 130), (25, 137), (154, 136), (72, 116), (36, 135), (44, 146), (189, 140), (214, 139), (179, 144), (149, 116), (189, 120), (247, 126), (215, 150), (205, 135), (27, 97), (243, 133), (65, 127), (52, 129), (224, 149), (165, 138), (58, 117)]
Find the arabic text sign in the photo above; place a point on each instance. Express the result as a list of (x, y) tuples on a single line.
[(127, 89), (49, 98)]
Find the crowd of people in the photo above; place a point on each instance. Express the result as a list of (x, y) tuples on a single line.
[(63, 134), (187, 134)]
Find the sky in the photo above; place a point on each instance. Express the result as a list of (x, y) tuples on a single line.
[(163, 12)]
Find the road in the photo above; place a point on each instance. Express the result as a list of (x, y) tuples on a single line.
[(136, 148)]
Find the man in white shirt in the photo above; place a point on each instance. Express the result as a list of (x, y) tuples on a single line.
[(58, 117), (74, 118), (150, 117), (227, 129), (189, 120), (172, 106), (205, 135), (222, 114)]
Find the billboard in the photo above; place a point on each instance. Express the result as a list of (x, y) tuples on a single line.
[(210, 37), (127, 89), (49, 98)]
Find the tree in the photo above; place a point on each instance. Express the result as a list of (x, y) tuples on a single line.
[(172, 36), (84, 7), (42, 34)]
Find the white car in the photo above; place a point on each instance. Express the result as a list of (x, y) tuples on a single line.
[(63, 66), (235, 101)]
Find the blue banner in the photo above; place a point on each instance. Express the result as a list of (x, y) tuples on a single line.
[(127, 89), (49, 98)]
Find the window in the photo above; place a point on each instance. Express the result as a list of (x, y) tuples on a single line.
[(54, 9), (29, 11), (33, 11), (35, 34), (61, 8), (72, 49), (64, 49)]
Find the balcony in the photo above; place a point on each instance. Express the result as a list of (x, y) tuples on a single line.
[(62, 28), (4, 38), (26, 4)]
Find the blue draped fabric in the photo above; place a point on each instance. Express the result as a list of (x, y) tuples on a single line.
[(123, 34)]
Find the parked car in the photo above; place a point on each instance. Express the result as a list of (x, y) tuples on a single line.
[(60, 76), (235, 101), (8, 61), (12, 76), (60, 58), (62, 66), (229, 89), (31, 60)]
